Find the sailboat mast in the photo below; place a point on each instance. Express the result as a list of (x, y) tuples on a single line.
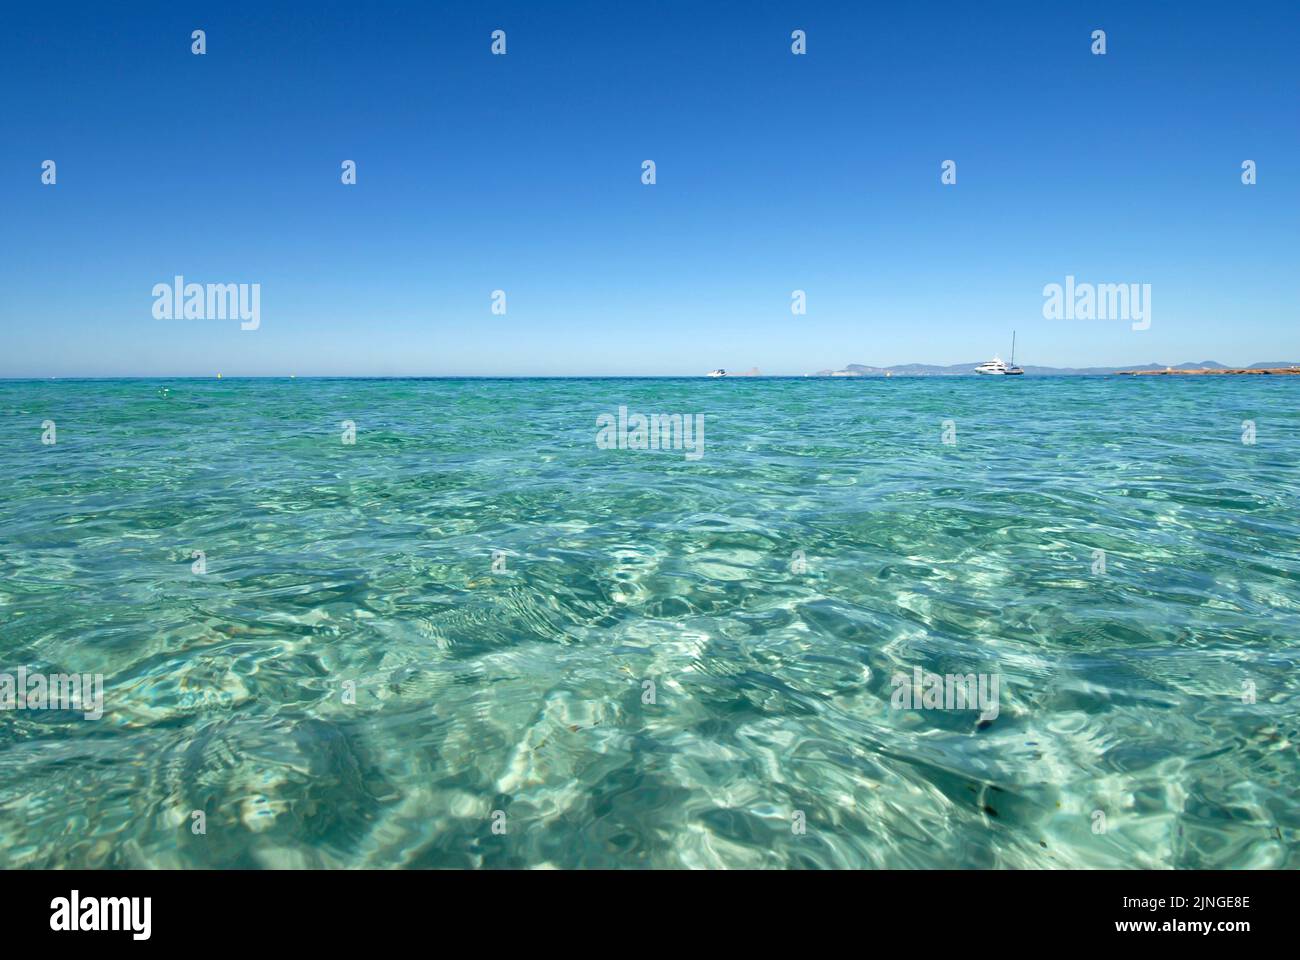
[(1013, 348)]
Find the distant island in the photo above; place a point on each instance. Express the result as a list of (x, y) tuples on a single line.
[(1236, 371), (968, 370)]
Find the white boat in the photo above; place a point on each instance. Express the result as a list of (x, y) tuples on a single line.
[(997, 368), (718, 373), (1000, 368)]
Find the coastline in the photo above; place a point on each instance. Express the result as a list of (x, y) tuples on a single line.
[(1227, 371)]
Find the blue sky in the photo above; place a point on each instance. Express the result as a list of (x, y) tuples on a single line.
[(775, 172)]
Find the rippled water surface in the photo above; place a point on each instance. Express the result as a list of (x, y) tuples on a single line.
[(825, 542)]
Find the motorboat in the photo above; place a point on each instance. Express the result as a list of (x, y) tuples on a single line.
[(1000, 368)]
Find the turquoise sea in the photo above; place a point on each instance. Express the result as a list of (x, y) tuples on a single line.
[(475, 637)]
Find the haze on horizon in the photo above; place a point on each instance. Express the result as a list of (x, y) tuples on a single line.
[(522, 173)]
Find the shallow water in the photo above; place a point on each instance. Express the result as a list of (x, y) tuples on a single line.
[(826, 541)]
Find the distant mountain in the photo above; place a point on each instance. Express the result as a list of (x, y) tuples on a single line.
[(968, 369)]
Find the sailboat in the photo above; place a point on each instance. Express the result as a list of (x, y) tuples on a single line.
[(1000, 368)]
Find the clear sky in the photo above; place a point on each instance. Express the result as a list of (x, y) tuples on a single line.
[(522, 172)]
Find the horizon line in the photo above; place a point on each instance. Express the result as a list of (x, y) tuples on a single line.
[(823, 374), (1100, 372)]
